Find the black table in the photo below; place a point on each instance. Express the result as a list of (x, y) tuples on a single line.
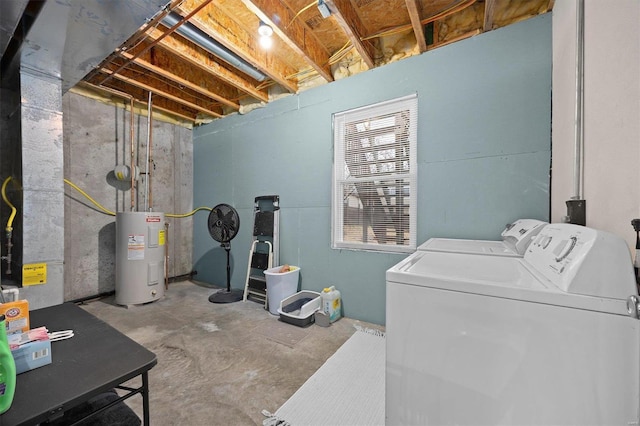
[(98, 358)]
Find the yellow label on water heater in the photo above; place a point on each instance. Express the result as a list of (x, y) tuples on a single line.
[(161, 237), (34, 274)]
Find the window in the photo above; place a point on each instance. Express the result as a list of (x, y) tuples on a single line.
[(374, 177)]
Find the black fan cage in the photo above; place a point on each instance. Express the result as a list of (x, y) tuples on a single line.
[(223, 223)]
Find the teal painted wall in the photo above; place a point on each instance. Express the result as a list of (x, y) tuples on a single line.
[(484, 108)]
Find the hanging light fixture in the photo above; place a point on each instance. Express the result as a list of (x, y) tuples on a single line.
[(265, 32), (197, 36)]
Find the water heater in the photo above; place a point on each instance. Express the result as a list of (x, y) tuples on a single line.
[(140, 240)]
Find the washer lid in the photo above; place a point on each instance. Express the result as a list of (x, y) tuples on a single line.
[(505, 277), (487, 247), (516, 237)]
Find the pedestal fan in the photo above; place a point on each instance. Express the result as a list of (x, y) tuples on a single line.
[(224, 224)]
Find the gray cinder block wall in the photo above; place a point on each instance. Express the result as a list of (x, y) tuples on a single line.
[(96, 140), (42, 187)]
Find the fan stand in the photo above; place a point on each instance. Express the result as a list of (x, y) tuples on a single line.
[(228, 296)]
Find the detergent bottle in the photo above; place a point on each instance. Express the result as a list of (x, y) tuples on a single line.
[(331, 305), (7, 369)]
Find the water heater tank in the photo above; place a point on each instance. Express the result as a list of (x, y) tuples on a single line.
[(140, 240)]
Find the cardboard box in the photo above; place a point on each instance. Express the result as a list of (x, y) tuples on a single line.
[(17, 316), (32, 355)]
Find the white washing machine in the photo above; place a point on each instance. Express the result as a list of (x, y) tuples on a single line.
[(516, 237), (547, 339)]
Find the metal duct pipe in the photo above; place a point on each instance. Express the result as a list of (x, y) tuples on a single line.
[(579, 107), (9, 19), (197, 36), (577, 206)]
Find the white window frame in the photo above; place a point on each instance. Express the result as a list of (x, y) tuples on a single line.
[(381, 167)]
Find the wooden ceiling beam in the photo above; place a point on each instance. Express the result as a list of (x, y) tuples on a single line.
[(137, 81), (169, 88), (195, 10), (293, 32), (227, 32), (347, 17), (142, 97), (169, 73), (463, 4), (199, 58), (415, 14), (489, 10)]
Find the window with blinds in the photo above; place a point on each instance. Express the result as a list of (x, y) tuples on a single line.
[(375, 177)]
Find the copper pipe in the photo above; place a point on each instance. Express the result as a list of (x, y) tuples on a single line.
[(131, 171), (107, 89), (158, 40), (166, 255), (149, 153), (131, 106)]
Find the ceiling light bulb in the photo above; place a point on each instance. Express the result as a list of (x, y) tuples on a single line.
[(266, 42), (265, 30)]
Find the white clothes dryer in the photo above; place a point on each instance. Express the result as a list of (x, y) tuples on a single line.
[(516, 237), (547, 339)]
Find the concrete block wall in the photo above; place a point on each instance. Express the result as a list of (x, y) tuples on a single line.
[(96, 139), (42, 194)]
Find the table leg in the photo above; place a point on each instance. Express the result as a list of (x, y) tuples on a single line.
[(145, 398)]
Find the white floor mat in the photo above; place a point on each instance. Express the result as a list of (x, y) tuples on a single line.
[(348, 389)]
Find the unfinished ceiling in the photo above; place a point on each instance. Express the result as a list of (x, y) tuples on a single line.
[(314, 42)]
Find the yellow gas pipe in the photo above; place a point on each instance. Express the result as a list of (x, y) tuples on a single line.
[(9, 228)]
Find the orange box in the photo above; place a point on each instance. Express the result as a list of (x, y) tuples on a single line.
[(17, 316)]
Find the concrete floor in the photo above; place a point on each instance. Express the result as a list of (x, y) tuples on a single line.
[(220, 363)]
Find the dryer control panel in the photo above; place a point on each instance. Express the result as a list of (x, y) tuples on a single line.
[(518, 235), (582, 260)]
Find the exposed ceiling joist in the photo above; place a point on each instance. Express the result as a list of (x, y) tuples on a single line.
[(355, 29), (176, 54), (121, 94), (141, 96), (237, 39), (204, 61), (293, 32), (489, 9), (170, 74), (435, 18), (154, 21), (169, 93), (415, 14)]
